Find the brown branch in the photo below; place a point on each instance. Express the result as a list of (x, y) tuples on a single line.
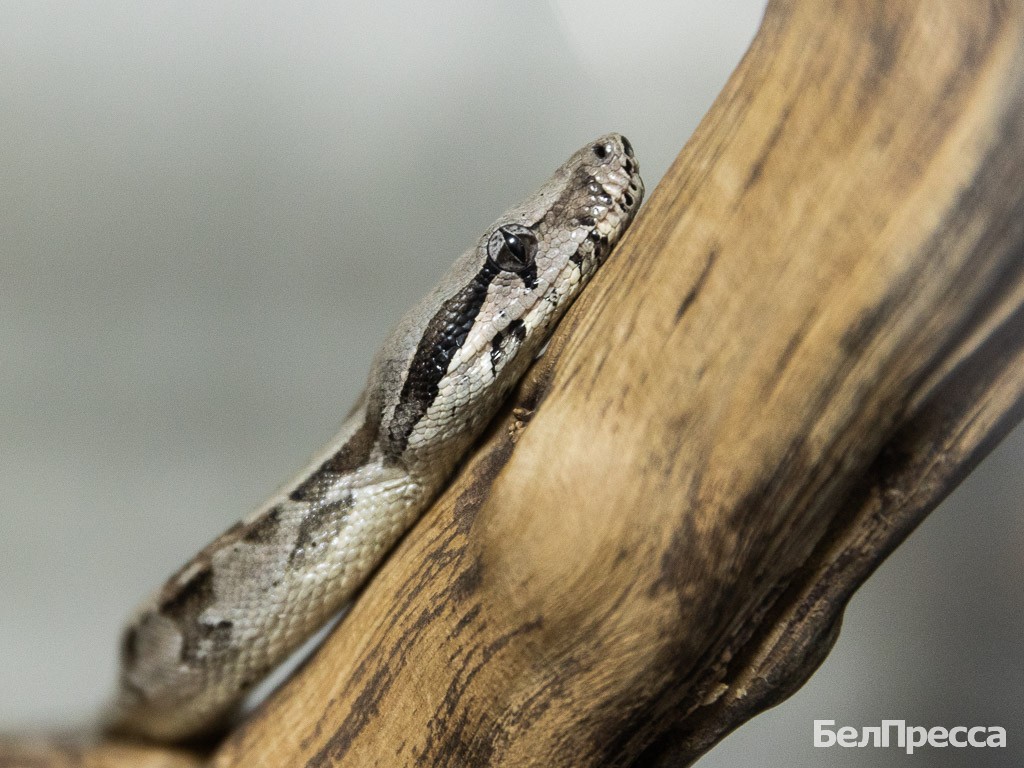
[(810, 336)]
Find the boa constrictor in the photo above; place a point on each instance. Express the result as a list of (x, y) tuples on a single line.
[(259, 590)]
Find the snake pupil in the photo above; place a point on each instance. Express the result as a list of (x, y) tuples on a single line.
[(515, 247), (514, 250)]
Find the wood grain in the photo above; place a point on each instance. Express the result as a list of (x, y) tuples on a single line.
[(814, 330)]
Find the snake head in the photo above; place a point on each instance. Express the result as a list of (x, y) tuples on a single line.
[(464, 346)]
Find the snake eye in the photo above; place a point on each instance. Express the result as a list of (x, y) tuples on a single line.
[(512, 248)]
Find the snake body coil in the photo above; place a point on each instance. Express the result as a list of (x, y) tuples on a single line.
[(254, 594)]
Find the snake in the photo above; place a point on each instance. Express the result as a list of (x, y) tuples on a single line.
[(192, 652)]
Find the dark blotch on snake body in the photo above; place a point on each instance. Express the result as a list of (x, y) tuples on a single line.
[(599, 244), (315, 487), (352, 455), (262, 531), (318, 523), (515, 330), (529, 277), (217, 633), (189, 599), (185, 605)]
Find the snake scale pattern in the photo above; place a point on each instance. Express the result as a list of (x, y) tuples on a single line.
[(239, 607)]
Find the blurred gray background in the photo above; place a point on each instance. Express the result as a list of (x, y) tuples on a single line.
[(212, 212)]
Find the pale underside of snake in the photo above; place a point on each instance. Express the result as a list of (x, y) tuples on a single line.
[(258, 591)]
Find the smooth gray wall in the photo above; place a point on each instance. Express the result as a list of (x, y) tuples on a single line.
[(211, 214)]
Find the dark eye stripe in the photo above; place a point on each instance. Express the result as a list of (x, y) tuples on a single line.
[(443, 337)]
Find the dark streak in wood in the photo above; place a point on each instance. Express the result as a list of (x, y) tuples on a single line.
[(758, 167), (449, 742), (688, 299)]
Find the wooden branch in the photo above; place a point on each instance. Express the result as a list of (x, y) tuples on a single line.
[(812, 333)]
